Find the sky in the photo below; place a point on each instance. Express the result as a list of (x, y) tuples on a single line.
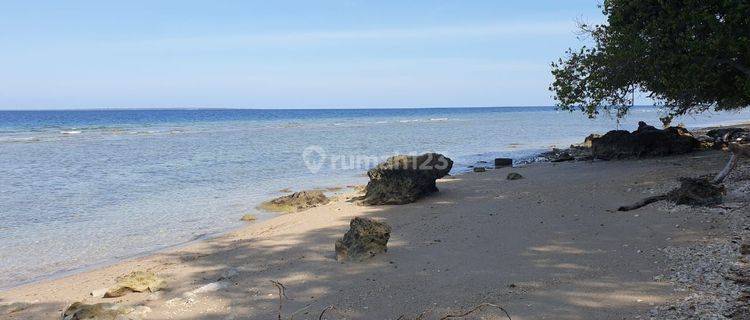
[(283, 54)]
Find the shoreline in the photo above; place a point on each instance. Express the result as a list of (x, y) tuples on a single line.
[(268, 215), (535, 158), (297, 247)]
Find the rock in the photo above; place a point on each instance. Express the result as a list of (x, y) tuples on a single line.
[(558, 155), (99, 293), (211, 287), (479, 169), (248, 217), (588, 142), (642, 126), (503, 162), (708, 143), (365, 238), (647, 141), (514, 176), (99, 311), (137, 281), (745, 248), (154, 296), (404, 179), (580, 153), (360, 188), (297, 201), (575, 152), (722, 136), (720, 133)]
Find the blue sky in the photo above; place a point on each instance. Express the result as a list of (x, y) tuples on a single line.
[(282, 54)]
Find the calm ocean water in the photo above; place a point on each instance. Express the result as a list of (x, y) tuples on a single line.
[(82, 188)]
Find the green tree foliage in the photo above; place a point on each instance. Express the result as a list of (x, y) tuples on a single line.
[(688, 56)]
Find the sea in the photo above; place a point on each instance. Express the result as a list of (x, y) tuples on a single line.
[(86, 188)]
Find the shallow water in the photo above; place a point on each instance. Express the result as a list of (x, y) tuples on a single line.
[(80, 188)]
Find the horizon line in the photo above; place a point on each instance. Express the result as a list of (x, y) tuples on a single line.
[(271, 109)]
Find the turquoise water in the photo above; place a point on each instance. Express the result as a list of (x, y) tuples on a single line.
[(81, 188)]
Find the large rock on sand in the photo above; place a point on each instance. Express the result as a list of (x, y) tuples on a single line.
[(647, 141), (103, 311), (297, 201), (137, 281), (365, 238), (404, 179)]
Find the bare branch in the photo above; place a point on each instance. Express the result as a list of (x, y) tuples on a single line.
[(727, 169), (477, 308), (298, 311), (282, 295), (331, 307), (643, 203)]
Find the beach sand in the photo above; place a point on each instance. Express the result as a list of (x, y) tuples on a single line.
[(550, 246)]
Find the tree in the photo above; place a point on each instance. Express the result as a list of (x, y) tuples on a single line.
[(688, 56)]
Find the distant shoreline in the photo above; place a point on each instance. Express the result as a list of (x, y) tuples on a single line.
[(272, 109)]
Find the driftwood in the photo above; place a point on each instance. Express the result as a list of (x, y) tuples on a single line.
[(643, 203), (738, 150), (282, 296), (477, 308), (698, 191)]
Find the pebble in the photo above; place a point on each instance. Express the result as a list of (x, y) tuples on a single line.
[(99, 293), (211, 287)]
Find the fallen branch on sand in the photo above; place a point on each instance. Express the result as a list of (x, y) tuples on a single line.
[(477, 308), (737, 150), (643, 203), (282, 296), (698, 191)]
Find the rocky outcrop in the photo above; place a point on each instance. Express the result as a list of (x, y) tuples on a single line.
[(647, 141), (404, 179), (557, 155), (365, 238), (588, 142), (729, 132), (719, 138), (514, 176), (503, 162), (137, 281), (297, 201), (574, 153), (103, 311)]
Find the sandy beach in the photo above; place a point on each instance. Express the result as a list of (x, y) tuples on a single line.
[(550, 246)]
